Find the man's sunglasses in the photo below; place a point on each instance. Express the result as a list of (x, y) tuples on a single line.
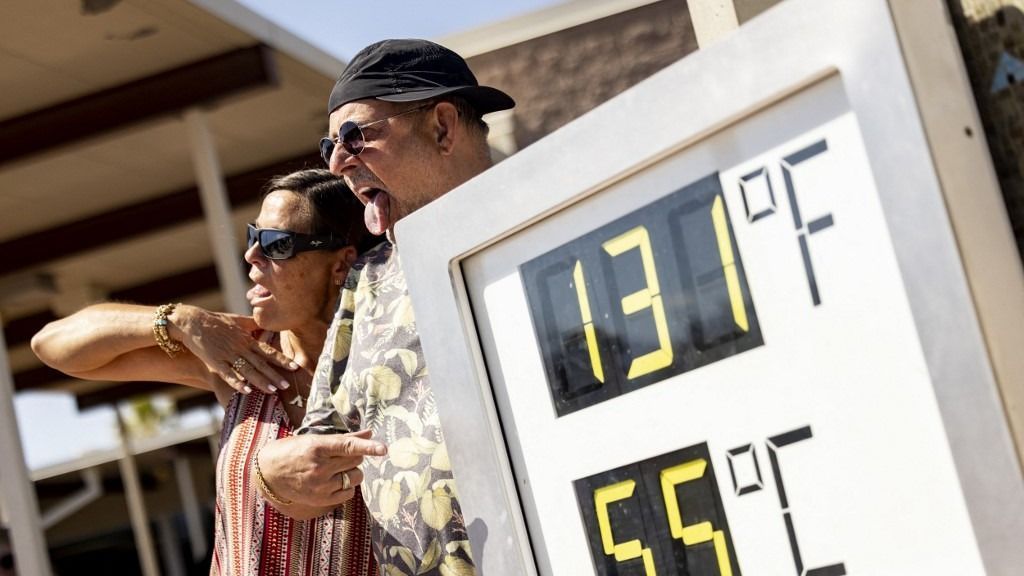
[(350, 135), (283, 244)]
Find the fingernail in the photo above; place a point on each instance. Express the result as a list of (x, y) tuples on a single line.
[(293, 365), (271, 388), (283, 384), (246, 389)]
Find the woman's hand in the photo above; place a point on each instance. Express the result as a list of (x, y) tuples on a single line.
[(229, 346)]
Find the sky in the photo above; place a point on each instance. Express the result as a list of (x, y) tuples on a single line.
[(343, 27), (79, 433), (322, 23)]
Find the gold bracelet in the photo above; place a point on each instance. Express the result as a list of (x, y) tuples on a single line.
[(163, 340), (266, 489)]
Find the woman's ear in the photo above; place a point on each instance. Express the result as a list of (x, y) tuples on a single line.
[(346, 257)]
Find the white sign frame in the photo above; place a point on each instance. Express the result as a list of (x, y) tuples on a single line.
[(782, 52)]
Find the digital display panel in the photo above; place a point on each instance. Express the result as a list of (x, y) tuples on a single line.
[(708, 367), (655, 293)]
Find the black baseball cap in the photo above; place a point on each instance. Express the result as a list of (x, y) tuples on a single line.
[(409, 70)]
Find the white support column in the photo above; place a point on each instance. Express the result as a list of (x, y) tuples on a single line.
[(190, 503), (169, 546), (501, 136), (712, 20), (214, 440), (18, 494), (136, 506), (217, 209), (217, 415)]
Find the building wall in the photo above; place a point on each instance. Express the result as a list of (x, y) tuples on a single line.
[(558, 77), (747, 9)]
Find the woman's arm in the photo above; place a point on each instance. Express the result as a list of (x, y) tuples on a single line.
[(115, 341)]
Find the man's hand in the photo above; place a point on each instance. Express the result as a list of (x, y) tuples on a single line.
[(311, 470)]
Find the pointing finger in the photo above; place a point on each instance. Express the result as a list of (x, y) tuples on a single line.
[(356, 444)]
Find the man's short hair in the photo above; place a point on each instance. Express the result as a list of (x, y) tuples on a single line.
[(468, 115)]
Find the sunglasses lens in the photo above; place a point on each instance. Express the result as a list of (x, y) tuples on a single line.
[(277, 245), (326, 150), (351, 137), (250, 235)]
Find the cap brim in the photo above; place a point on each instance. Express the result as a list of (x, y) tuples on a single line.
[(484, 98)]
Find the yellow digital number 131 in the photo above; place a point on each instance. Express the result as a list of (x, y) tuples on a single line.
[(649, 297)]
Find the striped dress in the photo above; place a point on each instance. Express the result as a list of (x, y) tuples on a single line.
[(251, 538)]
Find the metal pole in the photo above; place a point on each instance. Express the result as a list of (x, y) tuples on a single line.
[(214, 197), (712, 20), (136, 506), (18, 494)]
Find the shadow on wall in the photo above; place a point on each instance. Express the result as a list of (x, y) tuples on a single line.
[(992, 41)]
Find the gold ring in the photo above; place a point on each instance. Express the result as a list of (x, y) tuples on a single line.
[(345, 482), (239, 363)]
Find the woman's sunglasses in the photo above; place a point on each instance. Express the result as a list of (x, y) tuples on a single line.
[(283, 244), (350, 135)]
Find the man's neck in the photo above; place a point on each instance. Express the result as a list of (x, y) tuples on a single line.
[(470, 168)]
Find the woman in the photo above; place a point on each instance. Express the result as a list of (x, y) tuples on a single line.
[(299, 249)]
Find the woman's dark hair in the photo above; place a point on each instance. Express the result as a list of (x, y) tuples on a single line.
[(334, 209)]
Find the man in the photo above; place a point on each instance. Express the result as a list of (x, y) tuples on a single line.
[(405, 128)]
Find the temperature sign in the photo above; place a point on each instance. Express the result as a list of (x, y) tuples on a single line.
[(721, 325)]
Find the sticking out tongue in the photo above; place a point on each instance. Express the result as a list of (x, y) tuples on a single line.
[(257, 291), (378, 213)]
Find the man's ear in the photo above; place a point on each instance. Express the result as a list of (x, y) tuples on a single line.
[(445, 128), (346, 257)]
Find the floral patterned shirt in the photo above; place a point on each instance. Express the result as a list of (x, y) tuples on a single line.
[(371, 374)]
